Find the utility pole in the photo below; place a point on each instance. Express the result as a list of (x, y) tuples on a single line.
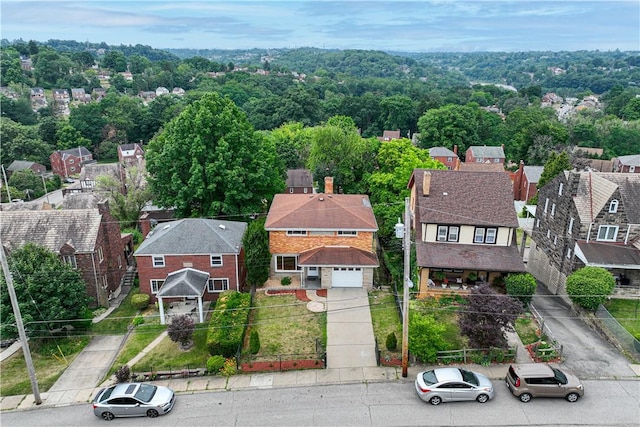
[(23, 336), (403, 231)]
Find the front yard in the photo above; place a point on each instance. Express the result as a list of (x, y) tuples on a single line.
[(627, 313)]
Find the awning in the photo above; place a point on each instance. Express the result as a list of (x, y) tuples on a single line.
[(331, 256), (185, 283), (608, 255)]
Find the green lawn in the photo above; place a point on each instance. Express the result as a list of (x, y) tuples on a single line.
[(445, 311), (118, 321), (385, 318), (168, 356), (139, 338), (50, 359), (627, 313)]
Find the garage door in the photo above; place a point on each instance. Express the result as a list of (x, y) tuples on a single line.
[(346, 277)]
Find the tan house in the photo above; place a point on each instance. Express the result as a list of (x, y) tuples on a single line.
[(324, 239)]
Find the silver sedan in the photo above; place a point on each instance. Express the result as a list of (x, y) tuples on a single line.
[(453, 384), (133, 400)]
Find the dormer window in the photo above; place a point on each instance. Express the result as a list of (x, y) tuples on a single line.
[(613, 206)]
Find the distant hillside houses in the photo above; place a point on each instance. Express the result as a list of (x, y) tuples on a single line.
[(567, 107)]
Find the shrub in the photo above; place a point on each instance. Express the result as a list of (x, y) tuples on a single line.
[(228, 322), (589, 286), (426, 337), (229, 368), (214, 364), (285, 281), (140, 301), (254, 342), (138, 320), (123, 374), (521, 286), (181, 329), (392, 342)]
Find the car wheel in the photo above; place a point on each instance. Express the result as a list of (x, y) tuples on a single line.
[(482, 398), (435, 400), (525, 397), (572, 397), (152, 413), (107, 416)]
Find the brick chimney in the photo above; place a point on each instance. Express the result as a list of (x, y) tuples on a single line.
[(328, 185), (145, 224), (426, 183), (455, 149)]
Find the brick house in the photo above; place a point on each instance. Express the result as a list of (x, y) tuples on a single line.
[(525, 181), (465, 227), (69, 162), (587, 218), (445, 156), (130, 154), (206, 245), (325, 239), (627, 164), (389, 135), (485, 154), (21, 165), (87, 239), (299, 181), (91, 171)]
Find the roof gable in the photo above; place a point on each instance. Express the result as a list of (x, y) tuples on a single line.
[(321, 212), (486, 151), (299, 178), (187, 282), (533, 173)]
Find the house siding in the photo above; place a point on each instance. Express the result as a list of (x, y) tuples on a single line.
[(280, 243)]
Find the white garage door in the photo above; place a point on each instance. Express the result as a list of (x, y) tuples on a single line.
[(346, 277)]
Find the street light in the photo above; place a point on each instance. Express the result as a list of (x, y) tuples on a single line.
[(403, 231)]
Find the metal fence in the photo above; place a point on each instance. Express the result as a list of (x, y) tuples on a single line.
[(627, 341)]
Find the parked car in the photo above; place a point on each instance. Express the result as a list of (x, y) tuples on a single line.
[(453, 384), (529, 380), (133, 400)]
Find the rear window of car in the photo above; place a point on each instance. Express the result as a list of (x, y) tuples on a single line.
[(105, 394), (145, 392), (512, 374), (429, 377)]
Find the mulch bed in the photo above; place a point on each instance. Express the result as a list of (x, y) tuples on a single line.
[(285, 365), (321, 293), (301, 294)]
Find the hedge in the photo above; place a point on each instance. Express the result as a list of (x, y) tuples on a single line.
[(140, 301), (228, 322)]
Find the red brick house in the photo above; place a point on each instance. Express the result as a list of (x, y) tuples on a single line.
[(485, 154), (445, 156), (130, 154), (325, 239), (21, 165), (525, 181), (208, 246), (465, 227), (627, 164), (389, 135), (299, 181), (87, 239), (69, 162)]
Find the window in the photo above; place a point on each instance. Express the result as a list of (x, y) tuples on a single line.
[(158, 260), (73, 168), (632, 169), (70, 260), (555, 240), (449, 159), (71, 161), (216, 260), (548, 234), (553, 209), (485, 235), (538, 223), (347, 233), (119, 261), (546, 205), (100, 255), (570, 228), (218, 285), (291, 190), (287, 263), (569, 253), (608, 233), (448, 233), (305, 190), (560, 189), (296, 232), (496, 160), (156, 284), (613, 206)]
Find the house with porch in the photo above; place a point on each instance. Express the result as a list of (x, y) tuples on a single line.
[(465, 228), (323, 239), (587, 218), (176, 255)]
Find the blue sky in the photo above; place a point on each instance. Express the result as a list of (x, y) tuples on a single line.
[(418, 26)]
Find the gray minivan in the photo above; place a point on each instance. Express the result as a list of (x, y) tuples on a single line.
[(529, 380)]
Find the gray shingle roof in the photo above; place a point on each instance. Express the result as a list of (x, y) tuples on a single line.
[(469, 257), (299, 178), (51, 228), (441, 152), (194, 236), (187, 282), (486, 151), (631, 160), (595, 189), (18, 165), (533, 173)]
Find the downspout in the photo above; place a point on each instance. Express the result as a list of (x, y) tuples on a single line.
[(237, 275), (589, 232)]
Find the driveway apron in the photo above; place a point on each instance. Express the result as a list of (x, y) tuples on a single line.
[(350, 340)]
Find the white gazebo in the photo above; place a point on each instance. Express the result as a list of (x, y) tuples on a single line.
[(186, 283)]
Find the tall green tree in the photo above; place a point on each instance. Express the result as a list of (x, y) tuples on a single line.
[(51, 293), (20, 142), (126, 202), (257, 255), (449, 126), (209, 161)]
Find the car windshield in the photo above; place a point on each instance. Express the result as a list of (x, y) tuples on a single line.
[(145, 392), (429, 377), (469, 377), (559, 376)]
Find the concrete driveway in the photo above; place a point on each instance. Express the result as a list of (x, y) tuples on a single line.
[(350, 340), (585, 351)]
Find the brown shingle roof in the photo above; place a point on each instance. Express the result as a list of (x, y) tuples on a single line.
[(338, 255), (481, 167), (299, 178), (469, 257), (465, 198), (608, 255), (321, 212)]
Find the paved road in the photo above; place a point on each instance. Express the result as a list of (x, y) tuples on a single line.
[(585, 351)]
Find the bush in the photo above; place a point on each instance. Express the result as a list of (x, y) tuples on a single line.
[(140, 301), (181, 329), (285, 281), (254, 342), (138, 320), (123, 374), (427, 337), (214, 364), (590, 286), (521, 286), (227, 323), (392, 342)]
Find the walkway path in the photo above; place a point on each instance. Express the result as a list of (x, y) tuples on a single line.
[(350, 340)]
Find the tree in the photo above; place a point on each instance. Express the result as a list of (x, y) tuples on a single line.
[(487, 316), (181, 329), (68, 137), (28, 182), (426, 337), (126, 204), (448, 126), (22, 143), (555, 165), (590, 286), (51, 293), (210, 161), (521, 287), (257, 255)]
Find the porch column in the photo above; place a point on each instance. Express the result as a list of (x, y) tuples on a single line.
[(161, 307), (200, 308)]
